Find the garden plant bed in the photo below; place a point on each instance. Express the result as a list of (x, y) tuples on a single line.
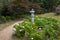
[(42, 29)]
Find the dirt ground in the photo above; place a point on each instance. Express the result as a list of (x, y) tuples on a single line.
[(7, 33)]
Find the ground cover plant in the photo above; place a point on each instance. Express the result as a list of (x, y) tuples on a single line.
[(41, 29)]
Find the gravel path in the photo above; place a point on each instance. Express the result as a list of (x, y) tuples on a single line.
[(7, 33)]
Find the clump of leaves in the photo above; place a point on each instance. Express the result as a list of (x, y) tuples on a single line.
[(2, 19), (41, 29)]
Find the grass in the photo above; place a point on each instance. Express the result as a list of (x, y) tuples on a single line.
[(51, 15)]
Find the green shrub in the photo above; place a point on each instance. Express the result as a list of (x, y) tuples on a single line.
[(43, 10), (13, 17), (8, 18), (41, 29), (2, 19)]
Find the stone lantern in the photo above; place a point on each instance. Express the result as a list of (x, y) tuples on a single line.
[(32, 15)]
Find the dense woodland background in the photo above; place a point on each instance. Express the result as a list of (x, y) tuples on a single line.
[(11, 9)]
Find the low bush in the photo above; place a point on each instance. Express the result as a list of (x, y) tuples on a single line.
[(41, 29), (4, 19), (8, 18)]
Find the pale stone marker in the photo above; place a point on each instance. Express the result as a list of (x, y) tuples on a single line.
[(32, 15)]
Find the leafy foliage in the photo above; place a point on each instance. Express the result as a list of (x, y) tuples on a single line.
[(4, 19), (47, 4), (4, 3), (41, 29)]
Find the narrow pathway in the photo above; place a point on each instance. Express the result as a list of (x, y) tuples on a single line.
[(7, 33)]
